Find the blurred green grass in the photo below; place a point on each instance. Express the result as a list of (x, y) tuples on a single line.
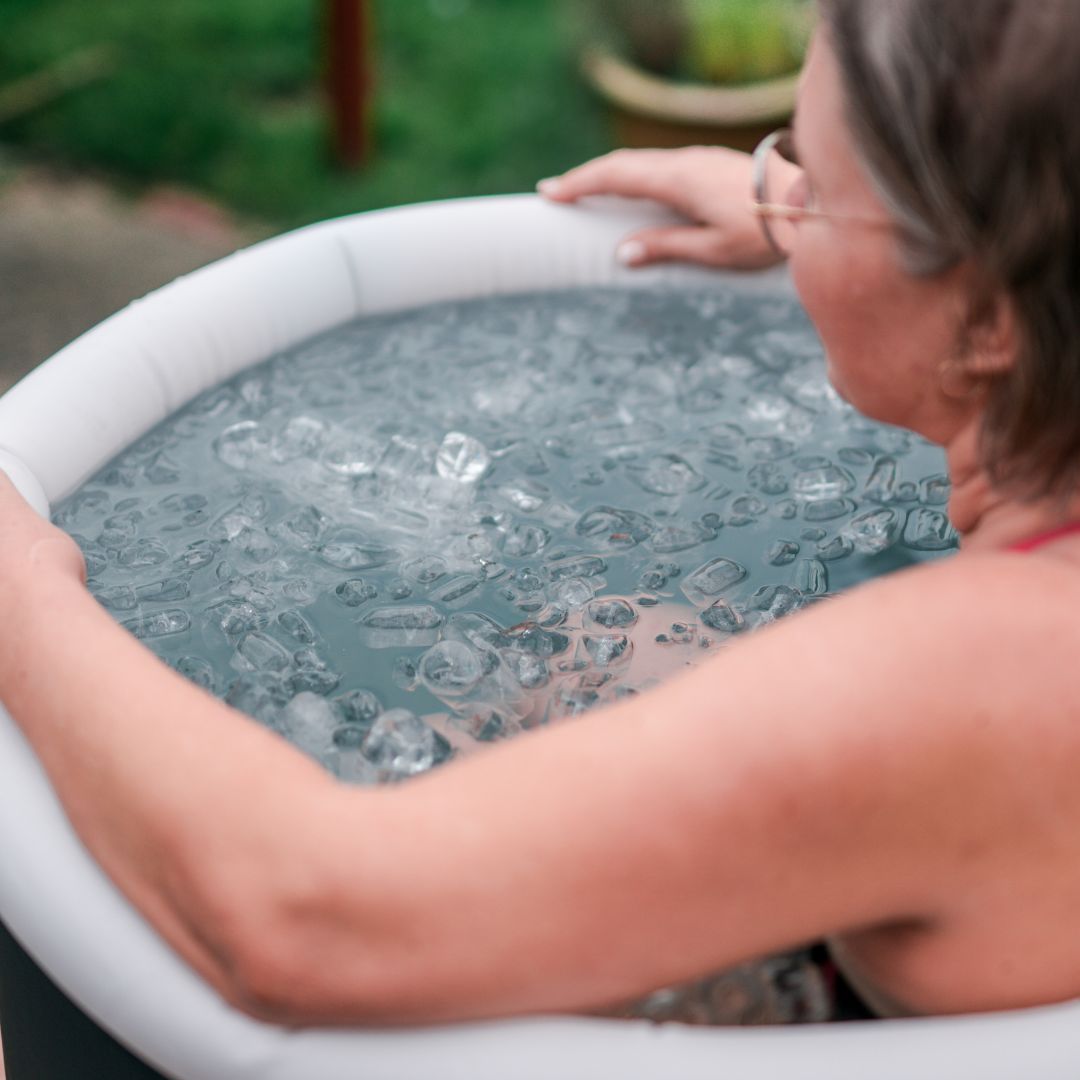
[(472, 97)]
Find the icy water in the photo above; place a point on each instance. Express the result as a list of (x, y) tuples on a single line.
[(390, 543)]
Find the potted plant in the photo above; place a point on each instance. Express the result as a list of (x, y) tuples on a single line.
[(691, 71)]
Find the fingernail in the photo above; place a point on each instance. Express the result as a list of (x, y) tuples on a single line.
[(630, 252), (550, 186)]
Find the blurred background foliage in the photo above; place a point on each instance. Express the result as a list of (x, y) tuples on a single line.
[(225, 96)]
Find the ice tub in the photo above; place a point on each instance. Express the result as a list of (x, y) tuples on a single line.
[(86, 988)]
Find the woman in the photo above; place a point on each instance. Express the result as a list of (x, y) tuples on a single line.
[(918, 809)]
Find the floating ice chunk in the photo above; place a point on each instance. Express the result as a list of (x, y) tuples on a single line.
[(424, 569), (258, 652), (301, 437), (825, 482), (144, 553), (355, 591), (296, 626), (351, 455), (619, 528), (117, 597), (612, 613), (196, 555), (450, 669), (772, 602), (668, 474), (359, 707), (199, 671), (874, 531), (530, 670), (462, 458), (401, 627), (929, 530), (241, 445), (607, 650), (457, 588), (724, 617), (675, 536), (523, 539), (160, 624), (576, 566), (811, 577), (782, 552), (768, 478), (827, 509), (936, 490), (308, 721), (769, 448), (571, 593), (711, 579), (400, 744), (839, 547), (348, 549), (879, 485), (420, 617)]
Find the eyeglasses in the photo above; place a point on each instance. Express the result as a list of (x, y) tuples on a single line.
[(782, 197)]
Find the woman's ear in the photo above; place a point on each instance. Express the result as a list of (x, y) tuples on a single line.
[(991, 336)]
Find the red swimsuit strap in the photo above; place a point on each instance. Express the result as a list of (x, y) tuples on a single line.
[(1045, 538)]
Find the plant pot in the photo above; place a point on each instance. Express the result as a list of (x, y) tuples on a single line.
[(650, 110)]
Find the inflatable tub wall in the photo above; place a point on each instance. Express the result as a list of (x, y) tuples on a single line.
[(61, 424)]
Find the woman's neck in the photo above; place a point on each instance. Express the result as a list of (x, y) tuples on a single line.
[(987, 518)]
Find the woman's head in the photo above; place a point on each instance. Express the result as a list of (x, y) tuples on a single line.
[(959, 119)]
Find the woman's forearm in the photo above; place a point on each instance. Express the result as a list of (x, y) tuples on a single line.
[(212, 826)]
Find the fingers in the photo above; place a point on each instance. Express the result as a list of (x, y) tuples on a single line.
[(630, 173), (694, 244)]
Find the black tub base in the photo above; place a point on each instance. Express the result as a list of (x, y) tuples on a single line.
[(47, 1036)]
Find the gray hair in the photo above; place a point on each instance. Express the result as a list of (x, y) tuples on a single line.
[(964, 114)]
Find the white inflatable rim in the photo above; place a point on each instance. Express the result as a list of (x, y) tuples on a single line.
[(68, 417)]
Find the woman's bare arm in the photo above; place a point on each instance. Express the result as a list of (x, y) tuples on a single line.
[(803, 783)]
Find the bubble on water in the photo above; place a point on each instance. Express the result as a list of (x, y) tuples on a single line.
[(462, 458), (400, 744), (711, 579)]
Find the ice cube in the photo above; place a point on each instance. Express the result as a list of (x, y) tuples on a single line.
[(711, 579), (462, 458)]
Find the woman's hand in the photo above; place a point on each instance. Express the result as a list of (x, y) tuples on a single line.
[(32, 548), (709, 185)]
